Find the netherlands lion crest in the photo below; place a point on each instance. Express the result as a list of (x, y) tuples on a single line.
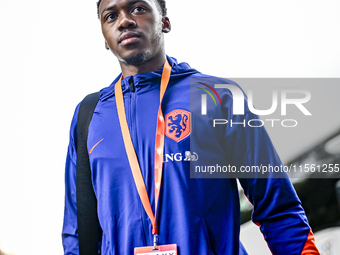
[(177, 125)]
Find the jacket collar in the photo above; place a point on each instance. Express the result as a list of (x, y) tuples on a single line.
[(144, 80)]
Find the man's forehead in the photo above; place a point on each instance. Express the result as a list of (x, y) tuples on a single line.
[(109, 3)]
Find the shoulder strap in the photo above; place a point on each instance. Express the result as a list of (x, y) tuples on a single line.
[(88, 227)]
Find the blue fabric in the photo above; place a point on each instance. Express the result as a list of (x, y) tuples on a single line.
[(202, 216)]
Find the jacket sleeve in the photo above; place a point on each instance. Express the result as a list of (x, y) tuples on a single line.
[(69, 232), (277, 209)]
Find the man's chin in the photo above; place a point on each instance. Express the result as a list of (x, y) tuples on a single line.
[(136, 60)]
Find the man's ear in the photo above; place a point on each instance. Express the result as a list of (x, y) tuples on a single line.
[(166, 25), (106, 46)]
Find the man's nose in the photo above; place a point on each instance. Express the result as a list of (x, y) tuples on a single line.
[(126, 21)]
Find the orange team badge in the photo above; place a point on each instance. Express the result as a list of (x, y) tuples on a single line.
[(177, 125)]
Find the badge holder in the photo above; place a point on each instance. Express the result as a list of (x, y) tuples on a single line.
[(169, 249)]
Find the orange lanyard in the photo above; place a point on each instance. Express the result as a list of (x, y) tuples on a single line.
[(159, 147)]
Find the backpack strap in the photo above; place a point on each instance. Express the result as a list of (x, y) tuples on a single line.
[(89, 230)]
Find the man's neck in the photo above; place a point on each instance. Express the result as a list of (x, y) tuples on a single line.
[(149, 66)]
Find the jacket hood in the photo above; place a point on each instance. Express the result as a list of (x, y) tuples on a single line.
[(178, 71)]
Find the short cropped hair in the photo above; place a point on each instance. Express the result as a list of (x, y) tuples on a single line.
[(161, 4)]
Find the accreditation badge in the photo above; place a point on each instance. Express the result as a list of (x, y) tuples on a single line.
[(169, 249)]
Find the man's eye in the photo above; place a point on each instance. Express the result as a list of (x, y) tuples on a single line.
[(110, 16), (138, 9)]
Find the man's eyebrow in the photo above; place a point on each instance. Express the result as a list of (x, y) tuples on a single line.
[(131, 2), (110, 8)]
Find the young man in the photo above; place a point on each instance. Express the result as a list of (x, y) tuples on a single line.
[(131, 139)]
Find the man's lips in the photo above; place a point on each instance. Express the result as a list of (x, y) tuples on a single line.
[(128, 37)]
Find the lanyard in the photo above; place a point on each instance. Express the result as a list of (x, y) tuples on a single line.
[(159, 148)]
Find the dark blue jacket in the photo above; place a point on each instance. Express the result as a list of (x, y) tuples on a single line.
[(201, 215)]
